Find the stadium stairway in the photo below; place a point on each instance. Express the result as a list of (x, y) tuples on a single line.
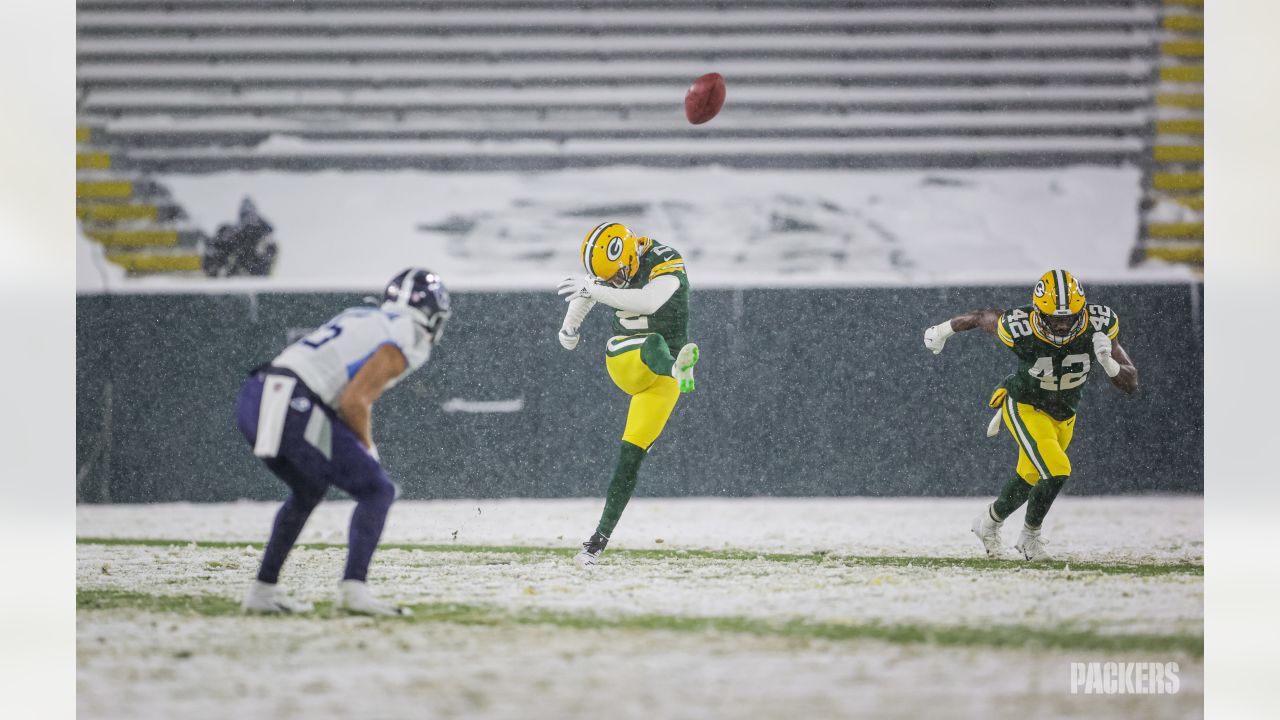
[(1173, 208), (134, 219)]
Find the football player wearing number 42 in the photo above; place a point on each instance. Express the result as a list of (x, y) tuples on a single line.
[(1057, 339), (648, 357)]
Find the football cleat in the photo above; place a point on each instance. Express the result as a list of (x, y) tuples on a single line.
[(1031, 545), (591, 550), (354, 597), (988, 531), (267, 598), (611, 253), (682, 370), (1058, 308)]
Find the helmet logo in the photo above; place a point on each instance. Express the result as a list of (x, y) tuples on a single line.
[(1040, 289), (1076, 284), (614, 250)]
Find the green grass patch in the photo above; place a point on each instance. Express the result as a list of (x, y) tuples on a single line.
[(536, 554), (1002, 636)]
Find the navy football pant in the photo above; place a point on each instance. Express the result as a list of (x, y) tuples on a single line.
[(308, 472)]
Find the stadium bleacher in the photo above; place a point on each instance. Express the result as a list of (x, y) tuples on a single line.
[(210, 85)]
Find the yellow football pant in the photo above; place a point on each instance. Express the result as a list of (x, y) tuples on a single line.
[(1042, 441), (653, 396)]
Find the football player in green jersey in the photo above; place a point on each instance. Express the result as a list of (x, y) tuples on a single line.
[(649, 356), (1056, 338)]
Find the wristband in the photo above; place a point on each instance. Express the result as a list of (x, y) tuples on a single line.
[(1109, 365)]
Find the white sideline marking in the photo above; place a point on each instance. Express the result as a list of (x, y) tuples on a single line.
[(483, 406)]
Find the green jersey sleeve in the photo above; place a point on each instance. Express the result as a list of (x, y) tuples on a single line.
[(1014, 325), (667, 261), (1104, 320)]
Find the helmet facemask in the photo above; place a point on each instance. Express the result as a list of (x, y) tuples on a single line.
[(620, 279), (1058, 329)]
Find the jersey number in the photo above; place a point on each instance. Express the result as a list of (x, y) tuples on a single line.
[(1018, 325), (322, 335), (1043, 371), (1100, 316)]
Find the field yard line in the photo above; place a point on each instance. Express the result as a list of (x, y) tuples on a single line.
[(1064, 637), (536, 553)]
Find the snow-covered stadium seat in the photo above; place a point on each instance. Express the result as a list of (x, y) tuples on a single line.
[(202, 85)]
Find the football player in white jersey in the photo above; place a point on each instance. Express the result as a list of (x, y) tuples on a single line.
[(307, 415)]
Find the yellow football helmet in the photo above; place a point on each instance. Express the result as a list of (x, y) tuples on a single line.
[(611, 253), (1058, 313)]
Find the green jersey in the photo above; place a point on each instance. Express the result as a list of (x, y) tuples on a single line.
[(1049, 376), (671, 321)]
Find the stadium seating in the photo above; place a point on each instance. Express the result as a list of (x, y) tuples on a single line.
[(1173, 212), (210, 85)]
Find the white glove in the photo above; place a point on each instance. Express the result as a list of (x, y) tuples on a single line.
[(568, 340), (1102, 351), (935, 338), (993, 427), (572, 287)]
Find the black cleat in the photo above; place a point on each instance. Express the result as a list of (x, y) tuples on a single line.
[(591, 550)]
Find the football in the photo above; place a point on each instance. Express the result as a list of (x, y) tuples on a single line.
[(704, 99)]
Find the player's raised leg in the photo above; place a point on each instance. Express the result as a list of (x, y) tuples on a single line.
[(682, 369)]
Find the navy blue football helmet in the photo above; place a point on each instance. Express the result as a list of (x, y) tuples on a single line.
[(421, 294)]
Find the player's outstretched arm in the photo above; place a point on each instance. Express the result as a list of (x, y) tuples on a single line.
[(935, 338), (356, 404), (1116, 363), (645, 300), (573, 317)]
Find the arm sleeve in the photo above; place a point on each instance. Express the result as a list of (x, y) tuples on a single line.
[(645, 300), (577, 312)]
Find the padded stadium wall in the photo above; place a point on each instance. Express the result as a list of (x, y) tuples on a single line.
[(807, 392)]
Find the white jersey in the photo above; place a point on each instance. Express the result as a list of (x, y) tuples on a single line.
[(329, 357)]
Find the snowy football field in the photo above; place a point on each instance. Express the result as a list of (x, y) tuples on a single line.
[(702, 608)]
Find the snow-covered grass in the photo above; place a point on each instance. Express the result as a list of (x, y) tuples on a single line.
[(1099, 529), (142, 665), (702, 608)]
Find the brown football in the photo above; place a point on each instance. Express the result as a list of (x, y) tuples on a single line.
[(704, 99)]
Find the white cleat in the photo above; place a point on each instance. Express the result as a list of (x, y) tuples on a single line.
[(1031, 545), (682, 370), (267, 598), (354, 597), (988, 531)]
